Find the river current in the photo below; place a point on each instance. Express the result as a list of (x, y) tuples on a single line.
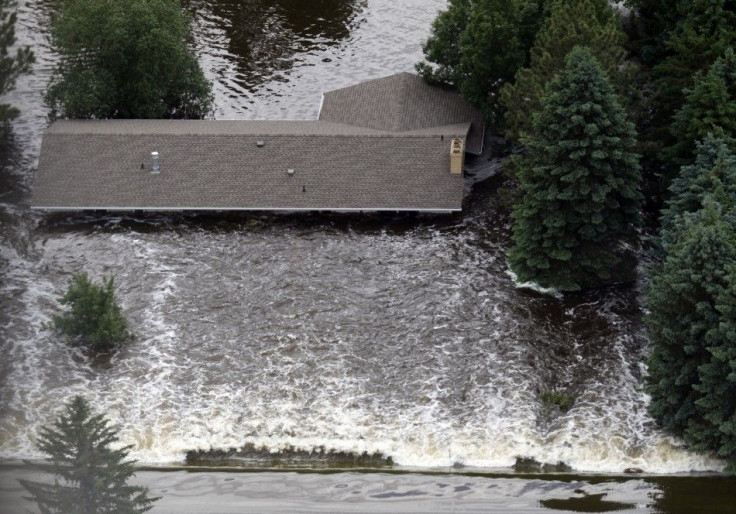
[(402, 335)]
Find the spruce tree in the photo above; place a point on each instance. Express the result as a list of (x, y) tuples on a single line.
[(718, 380), (579, 182), (681, 38), (580, 22), (713, 174), (683, 313), (710, 106), (692, 306), (90, 478)]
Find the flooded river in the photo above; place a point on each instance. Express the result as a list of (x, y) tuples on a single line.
[(398, 335)]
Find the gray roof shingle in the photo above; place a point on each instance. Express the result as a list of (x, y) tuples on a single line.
[(399, 103), (389, 155), (102, 170)]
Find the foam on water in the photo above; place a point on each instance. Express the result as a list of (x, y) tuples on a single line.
[(401, 337)]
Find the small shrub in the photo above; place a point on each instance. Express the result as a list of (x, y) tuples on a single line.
[(553, 398), (94, 317)]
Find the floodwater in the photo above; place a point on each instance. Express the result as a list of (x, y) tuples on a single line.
[(397, 335), (209, 492)]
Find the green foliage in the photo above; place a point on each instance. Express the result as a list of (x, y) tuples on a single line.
[(692, 302), (683, 323), (94, 316), (675, 40), (591, 23), (718, 380), (579, 182), (93, 477), (710, 106), (554, 398), (712, 176), (125, 59), (478, 45), (11, 67)]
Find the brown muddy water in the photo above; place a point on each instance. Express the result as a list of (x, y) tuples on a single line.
[(394, 335)]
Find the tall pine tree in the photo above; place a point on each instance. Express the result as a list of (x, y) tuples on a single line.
[(93, 476), (710, 106), (713, 174), (677, 39), (580, 22), (683, 313), (692, 306), (579, 182), (718, 380)]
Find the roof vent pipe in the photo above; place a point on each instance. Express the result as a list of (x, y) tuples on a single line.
[(154, 162)]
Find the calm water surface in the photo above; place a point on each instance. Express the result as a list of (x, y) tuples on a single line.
[(399, 335)]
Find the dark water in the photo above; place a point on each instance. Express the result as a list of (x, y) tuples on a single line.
[(401, 335), (184, 492)]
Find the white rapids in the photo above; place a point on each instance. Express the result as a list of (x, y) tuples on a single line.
[(403, 336)]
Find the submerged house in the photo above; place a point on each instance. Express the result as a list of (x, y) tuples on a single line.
[(390, 144)]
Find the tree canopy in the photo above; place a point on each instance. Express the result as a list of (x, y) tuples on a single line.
[(710, 107), (691, 319), (579, 182), (591, 23), (676, 39), (90, 477), (11, 67), (712, 175), (478, 45), (125, 59), (94, 316)]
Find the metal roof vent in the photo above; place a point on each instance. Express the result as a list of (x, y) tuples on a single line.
[(154, 162), (290, 172), (260, 143)]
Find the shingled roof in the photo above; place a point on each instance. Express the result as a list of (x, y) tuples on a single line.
[(245, 165), (399, 103)]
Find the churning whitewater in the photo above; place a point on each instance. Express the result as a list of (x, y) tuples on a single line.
[(399, 335)]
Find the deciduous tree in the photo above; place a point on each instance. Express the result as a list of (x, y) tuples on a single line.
[(477, 46), (125, 59)]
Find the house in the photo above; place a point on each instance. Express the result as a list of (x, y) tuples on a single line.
[(390, 144)]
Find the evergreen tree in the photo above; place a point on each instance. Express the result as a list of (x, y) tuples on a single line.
[(678, 38), (718, 380), (93, 477), (580, 22), (713, 175), (125, 59), (710, 106), (683, 313), (478, 45), (10, 67), (579, 182), (94, 315)]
